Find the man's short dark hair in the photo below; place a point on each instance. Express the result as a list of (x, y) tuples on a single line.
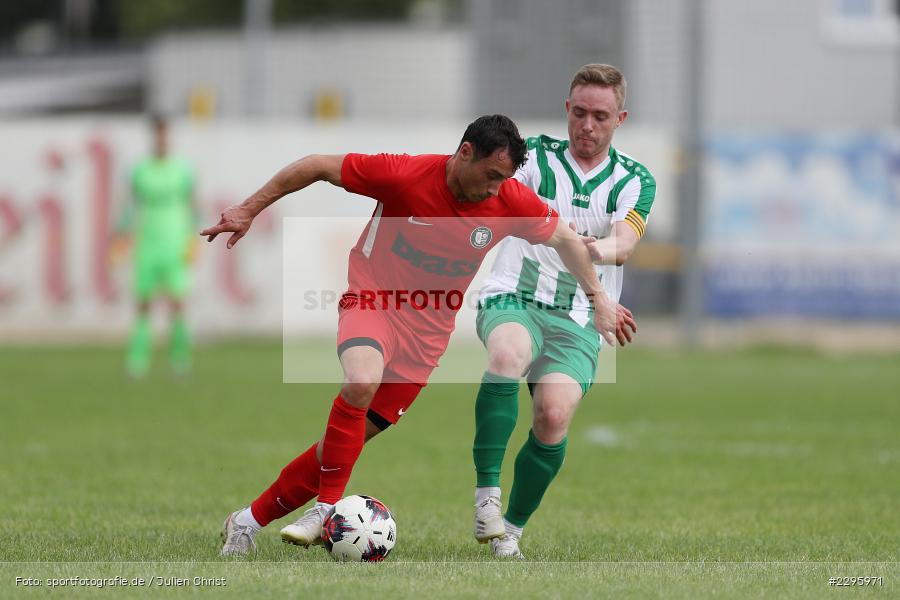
[(491, 132)]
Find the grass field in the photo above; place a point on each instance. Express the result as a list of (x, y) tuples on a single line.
[(752, 474)]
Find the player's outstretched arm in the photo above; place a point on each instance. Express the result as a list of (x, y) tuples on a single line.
[(615, 249), (626, 326), (296, 176), (577, 260)]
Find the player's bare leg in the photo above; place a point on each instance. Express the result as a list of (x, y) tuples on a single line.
[(343, 440), (509, 350), (496, 410), (556, 397)]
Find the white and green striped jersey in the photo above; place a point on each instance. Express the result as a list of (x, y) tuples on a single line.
[(618, 189)]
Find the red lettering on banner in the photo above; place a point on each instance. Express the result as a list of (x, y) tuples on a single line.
[(235, 289), (10, 227), (50, 210), (101, 200)]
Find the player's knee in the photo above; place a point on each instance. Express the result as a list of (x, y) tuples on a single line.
[(359, 392), (509, 361), (551, 424)]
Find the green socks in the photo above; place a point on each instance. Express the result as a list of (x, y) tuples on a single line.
[(180, 346), (496, 410), (536, 466), (139, 347)]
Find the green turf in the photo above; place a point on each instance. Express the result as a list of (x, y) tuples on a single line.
[(745, 474)]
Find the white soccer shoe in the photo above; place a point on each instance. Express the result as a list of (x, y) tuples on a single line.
[(305, 531), (507, 547), (237, 540), (488, 520)]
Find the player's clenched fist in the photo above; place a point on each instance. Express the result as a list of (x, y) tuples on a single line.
[(236, 219)]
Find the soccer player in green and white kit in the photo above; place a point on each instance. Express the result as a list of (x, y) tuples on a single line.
[(163, 222), (533, 317)]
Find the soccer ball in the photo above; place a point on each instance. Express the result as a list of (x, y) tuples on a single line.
[(359, 529)]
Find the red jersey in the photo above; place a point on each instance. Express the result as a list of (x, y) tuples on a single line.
[(422, 247)]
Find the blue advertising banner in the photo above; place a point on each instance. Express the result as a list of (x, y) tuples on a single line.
[(803, 225)]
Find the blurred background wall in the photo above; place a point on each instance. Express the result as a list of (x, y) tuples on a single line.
[(773, 130)]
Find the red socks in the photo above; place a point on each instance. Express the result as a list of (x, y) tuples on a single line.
[(304, 477), (344, 439), (297, 485)]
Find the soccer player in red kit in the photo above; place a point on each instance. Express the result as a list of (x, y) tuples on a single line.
[(437, 217)]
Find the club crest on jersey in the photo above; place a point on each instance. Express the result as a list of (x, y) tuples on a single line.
[(481, 237)]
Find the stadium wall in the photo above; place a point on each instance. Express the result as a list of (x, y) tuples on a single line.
[(64, 182), (796, 226), (365, 71)]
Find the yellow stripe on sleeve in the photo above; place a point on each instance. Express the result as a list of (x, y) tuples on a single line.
[(637, 223)]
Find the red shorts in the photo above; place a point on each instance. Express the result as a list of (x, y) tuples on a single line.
[(406, 368)]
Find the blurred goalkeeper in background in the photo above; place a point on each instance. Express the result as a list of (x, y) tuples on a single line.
[(161, 219)]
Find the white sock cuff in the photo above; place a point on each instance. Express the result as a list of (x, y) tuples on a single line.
[(324, 507), (513, 529), (483, 493), (245, 518)]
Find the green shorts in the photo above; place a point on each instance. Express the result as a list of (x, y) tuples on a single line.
[(558, 344), (157, 272)]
